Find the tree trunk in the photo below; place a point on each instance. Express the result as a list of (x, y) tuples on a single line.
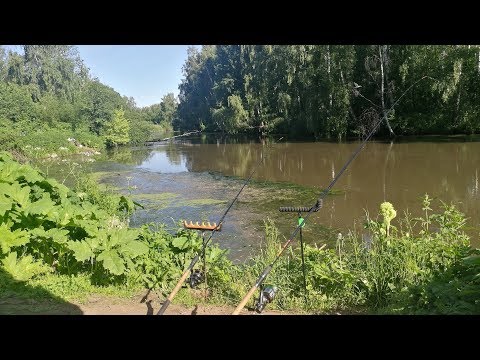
[(382, 91), (350, 109)]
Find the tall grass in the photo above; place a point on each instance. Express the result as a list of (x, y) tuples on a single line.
[(377, 275)]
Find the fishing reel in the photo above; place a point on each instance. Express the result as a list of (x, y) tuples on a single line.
[(267, 294), (196, 277)]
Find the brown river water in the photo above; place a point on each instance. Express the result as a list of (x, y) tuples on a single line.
[(196, 179)]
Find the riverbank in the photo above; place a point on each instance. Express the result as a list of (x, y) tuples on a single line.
[(103, 305)]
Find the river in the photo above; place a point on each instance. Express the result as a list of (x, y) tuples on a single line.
[(196, 178)]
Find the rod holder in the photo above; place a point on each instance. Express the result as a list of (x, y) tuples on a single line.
[(202, 226), (315, 208)]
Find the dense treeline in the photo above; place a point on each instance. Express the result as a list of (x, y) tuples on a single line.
[(49, 86), (331, 91)]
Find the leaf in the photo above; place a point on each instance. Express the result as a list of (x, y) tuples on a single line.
[(9, 239), (5, 204), (472, 260), (134, 248), (81, 250), (60, 236), (93, 243), (91, 227), (63, 215), (41, 207), (62, 190), (180, 242), (17, 193), (30, 175), (122, 236), (23, 269), (112, 262)]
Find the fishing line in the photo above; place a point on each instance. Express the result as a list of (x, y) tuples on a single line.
[(267, 270), (197, 256)]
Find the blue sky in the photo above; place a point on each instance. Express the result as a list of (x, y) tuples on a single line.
[(145, 72)]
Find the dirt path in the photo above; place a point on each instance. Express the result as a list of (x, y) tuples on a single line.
[(101, 305)]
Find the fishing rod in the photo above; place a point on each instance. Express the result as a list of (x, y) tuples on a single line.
[(267, 270), (197, 256), (173, 137)]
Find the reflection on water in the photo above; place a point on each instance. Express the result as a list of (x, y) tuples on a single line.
[(183, 179), (160, 161), (399, 172)]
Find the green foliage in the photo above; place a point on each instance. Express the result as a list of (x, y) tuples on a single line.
[(53, 224), (231, 118), (16, 103), (25, 268), (106, 199), (310, 89), (117, 130), (98, 105), (141, 131), (406, 271)]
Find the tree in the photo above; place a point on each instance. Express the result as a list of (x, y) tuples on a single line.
[(168, 109), (117, 130), (98, 104)]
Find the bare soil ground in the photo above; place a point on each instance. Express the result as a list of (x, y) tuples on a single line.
[(101, 305)]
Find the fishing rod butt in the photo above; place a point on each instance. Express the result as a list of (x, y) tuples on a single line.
[(164, 307), (244, 300)]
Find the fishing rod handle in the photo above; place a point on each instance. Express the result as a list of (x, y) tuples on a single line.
[(173, 293), (245, 299)]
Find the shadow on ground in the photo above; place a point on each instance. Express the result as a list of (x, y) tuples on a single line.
[(16, 298)]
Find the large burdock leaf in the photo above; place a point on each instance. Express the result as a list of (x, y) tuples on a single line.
[(180, 242), (23, 269), (472, 260), (112, 262), (16, 192), (134, 248), (9, 239), (81, 250), (119, 237), (30, 175), (5, 204), (60, 236), (41, 207)]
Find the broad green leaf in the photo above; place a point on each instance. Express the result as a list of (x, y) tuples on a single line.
[(38, 232), (25, 268), (180, 242), (40, 207), (60, 236), (9, 239), (472, 260), (5, 188), (123, 236), (134, 248), (62, 216), (112, 262), (93, 242), (5, 204), (30, 175), (91, 227), (62, 190), (81, 250), (20, 194)]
